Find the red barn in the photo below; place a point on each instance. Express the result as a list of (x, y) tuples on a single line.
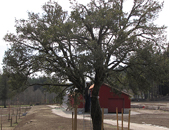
[(110, 98)]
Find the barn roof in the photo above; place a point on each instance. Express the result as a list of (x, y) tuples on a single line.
[(92, 86)]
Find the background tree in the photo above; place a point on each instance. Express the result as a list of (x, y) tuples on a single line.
[(148, 72), (163, 84), (47, 85), (94, 41), (4, 89)]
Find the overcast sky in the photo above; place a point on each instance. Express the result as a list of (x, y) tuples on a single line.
[(11, 9)]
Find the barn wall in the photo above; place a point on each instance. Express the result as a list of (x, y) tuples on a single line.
[(127, 101), (80, 101), (107, 97), (104, 95)]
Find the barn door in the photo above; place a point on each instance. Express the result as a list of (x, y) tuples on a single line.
[(115, 102)]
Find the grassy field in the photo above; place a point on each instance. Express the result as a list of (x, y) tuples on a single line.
[(11, 116)]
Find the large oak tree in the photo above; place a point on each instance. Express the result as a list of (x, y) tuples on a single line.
[(92, 42)]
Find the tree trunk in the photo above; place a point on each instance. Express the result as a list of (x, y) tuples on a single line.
[(96, 113), (4, 103)]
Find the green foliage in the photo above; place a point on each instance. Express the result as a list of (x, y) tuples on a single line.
[(38, 82), (5, 92), (96, 37), (47, 84), (96, 41), (3, 87)]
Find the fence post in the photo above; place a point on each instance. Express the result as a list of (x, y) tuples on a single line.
[(19, 111), (1, 118), (9, 113), (102, 126), (11, 121), (122, 118), (117, 118), (72, 120), (13, 111), (75, 118), (16, 119), (129, 120)]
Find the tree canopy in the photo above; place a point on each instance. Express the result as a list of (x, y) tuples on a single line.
[(94, 41)]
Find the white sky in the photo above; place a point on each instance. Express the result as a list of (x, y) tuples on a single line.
[(11, 9)]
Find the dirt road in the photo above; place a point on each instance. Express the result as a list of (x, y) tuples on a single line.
[(41, 118), (141, 119)]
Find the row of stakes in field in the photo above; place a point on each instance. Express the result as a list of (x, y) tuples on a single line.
[(74, 119), (14, 112), (122, 119)]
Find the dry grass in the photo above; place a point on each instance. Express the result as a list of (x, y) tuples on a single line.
[(7, 114), (42, 118)]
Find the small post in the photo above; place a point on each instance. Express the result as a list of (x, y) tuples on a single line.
[(21, 109), (1, 118), (13, 111), (16, 119), (129, 120), (9, 113), (117, 118), (17, 111), (75, 118), (102, 126), (8, 116), (72, 120), (122, 118), (11, 121)]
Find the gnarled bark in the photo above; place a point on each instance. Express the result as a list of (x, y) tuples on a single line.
[(96, 113)]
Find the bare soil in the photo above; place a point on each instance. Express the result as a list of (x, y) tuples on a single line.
[(153, 117), (7, 114), (41, 118)]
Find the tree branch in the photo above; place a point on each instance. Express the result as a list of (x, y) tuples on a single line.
[(62, 85)]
